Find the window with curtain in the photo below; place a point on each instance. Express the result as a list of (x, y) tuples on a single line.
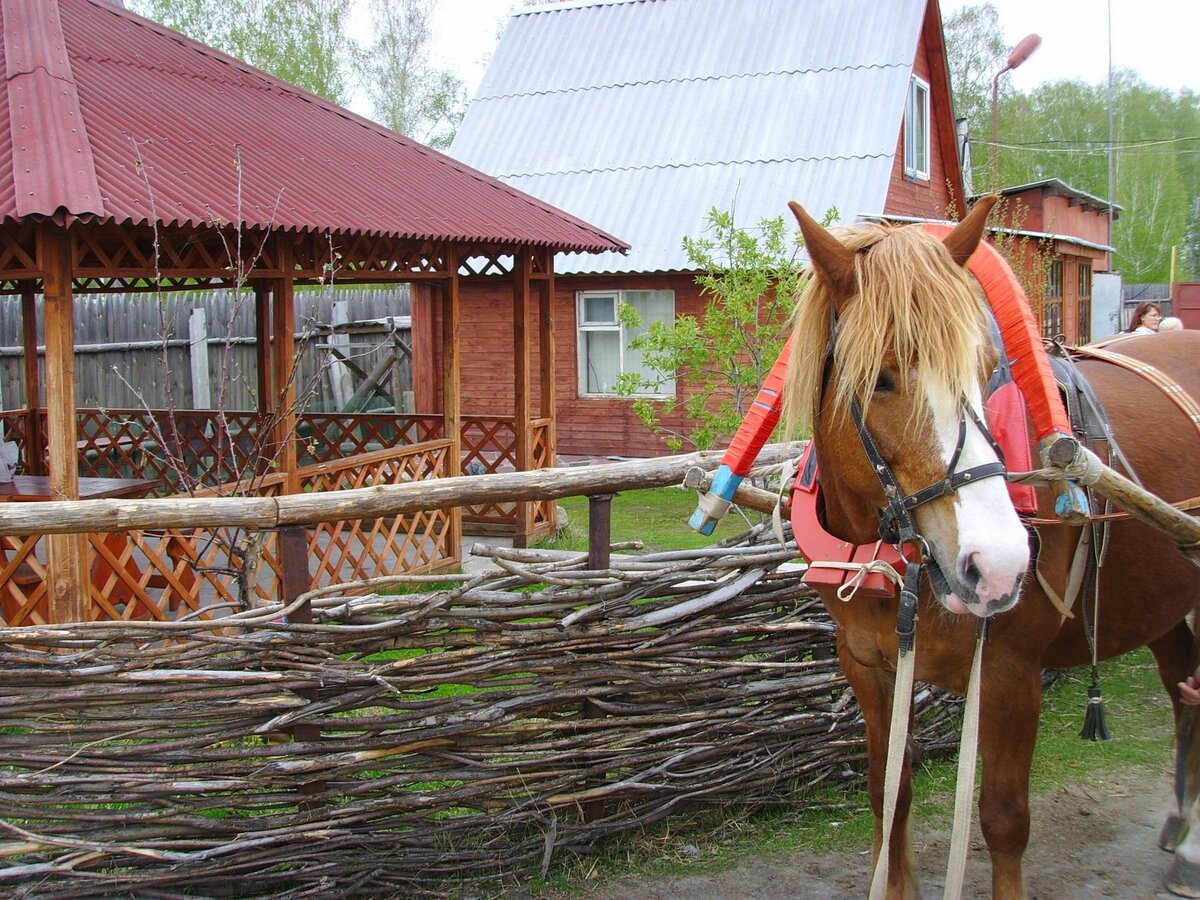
[(604, 351)]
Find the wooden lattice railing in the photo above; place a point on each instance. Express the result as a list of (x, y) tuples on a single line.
[(167, 574)]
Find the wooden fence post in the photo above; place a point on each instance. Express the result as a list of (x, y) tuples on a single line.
[(295, 580), (599, 557), (198, 357)]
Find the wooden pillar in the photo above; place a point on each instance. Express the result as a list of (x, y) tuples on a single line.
[(521, 393), (262, 346), (425, 342), (546, 348), (283, 376), (35, 450), (69, 599), (451, 382)]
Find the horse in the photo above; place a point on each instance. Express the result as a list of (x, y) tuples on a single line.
[(890, 356)]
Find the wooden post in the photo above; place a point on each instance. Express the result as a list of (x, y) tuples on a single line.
[(283, 378), (523, 512), (451, 382), (599, 557), (339, 374), (599, 531), (424, 347), (198, 357), (69, 599), (35, 450), (546, 347), (296, 580), (262, 345)]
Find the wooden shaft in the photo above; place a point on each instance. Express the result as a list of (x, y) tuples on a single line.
[(362, 503)]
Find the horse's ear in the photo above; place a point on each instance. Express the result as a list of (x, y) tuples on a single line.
[(965, 237), (830, 257)]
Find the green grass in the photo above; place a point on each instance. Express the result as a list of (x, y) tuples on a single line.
[(658, 517)]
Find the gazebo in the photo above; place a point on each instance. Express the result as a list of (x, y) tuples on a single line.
[(135, 159)]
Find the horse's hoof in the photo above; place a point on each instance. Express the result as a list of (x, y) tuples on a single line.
[(1184, 878), (1173, 832)]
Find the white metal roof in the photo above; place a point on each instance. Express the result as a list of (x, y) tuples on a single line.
[(641, 115)]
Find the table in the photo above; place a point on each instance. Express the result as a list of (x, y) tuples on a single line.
[(34, 488)]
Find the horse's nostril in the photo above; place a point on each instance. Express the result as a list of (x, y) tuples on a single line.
[(971, 575)]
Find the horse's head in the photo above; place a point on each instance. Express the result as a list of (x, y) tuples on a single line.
[(890, 358)]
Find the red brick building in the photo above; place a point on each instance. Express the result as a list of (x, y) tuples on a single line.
[(1062, 235)]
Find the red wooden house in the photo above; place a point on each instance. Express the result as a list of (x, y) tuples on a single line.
[(641, 116), (1062, 235)]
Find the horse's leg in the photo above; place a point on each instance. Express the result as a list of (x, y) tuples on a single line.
[(873, 688), (1173, 653), (1011, 701)]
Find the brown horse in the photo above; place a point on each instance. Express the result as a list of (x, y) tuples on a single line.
[(891, 330)]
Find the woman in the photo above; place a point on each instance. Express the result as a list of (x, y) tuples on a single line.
[(1145, 319)]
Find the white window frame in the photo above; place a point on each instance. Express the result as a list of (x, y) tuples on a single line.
[(912, 160), (583, 327)]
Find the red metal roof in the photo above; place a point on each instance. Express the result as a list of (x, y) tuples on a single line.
[(113, 117)]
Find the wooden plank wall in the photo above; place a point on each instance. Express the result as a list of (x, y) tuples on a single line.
[(120, 355)]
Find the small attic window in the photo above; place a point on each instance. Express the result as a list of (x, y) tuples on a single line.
[(916, 131)]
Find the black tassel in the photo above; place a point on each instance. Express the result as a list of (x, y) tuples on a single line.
[(1094, 726)]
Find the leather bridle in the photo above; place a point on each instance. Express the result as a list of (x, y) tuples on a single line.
[(896, 522)]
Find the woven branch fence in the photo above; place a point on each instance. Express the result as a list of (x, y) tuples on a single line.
[(446, 742)]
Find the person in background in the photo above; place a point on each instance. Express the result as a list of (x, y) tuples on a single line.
[(1170, 323), (1145, 318)]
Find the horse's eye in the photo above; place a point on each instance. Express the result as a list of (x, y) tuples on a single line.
[(884, 383)]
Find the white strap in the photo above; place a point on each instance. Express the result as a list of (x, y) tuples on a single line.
[(846, 592), (897, 737), (786, 473), (964, 795)]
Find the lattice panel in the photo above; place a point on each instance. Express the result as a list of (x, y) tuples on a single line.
[(111, 251), (489, 445), (18, 251), (350, 255), (24, 599), (543, 510), (129, 443), (365, 548), (331, 437), (16, 428), (160, 575)]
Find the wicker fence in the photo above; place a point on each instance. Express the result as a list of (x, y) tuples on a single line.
[(421, 743)]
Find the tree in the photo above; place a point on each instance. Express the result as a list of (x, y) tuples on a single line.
[(307, 43), (975, 52), (409, 95), (304, 42), (750, 278)]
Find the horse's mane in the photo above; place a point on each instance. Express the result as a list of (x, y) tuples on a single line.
[(913, 301)]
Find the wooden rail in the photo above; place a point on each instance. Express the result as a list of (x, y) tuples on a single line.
[(259, 513)]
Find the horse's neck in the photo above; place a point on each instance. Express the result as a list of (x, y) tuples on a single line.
[(848, 515)]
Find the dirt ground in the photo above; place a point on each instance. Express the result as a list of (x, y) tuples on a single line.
[(1089, 840)]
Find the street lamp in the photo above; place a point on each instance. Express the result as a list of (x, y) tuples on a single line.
[(1019, 54)]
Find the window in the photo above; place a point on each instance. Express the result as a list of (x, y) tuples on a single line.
[(916, 130), (1052, 319), (1085, 303), (604, 351)]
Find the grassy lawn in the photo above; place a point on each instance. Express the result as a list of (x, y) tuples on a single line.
[(1137, 710), (657, 517)]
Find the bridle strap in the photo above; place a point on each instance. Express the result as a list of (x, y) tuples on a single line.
[(896, 524)]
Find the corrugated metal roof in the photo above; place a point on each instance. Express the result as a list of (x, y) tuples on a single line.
[(641, 115), (182, 134)]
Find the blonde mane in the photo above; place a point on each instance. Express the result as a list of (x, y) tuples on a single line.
[(912, 302)]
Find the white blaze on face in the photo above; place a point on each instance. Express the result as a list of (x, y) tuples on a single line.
[(991, 554)]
